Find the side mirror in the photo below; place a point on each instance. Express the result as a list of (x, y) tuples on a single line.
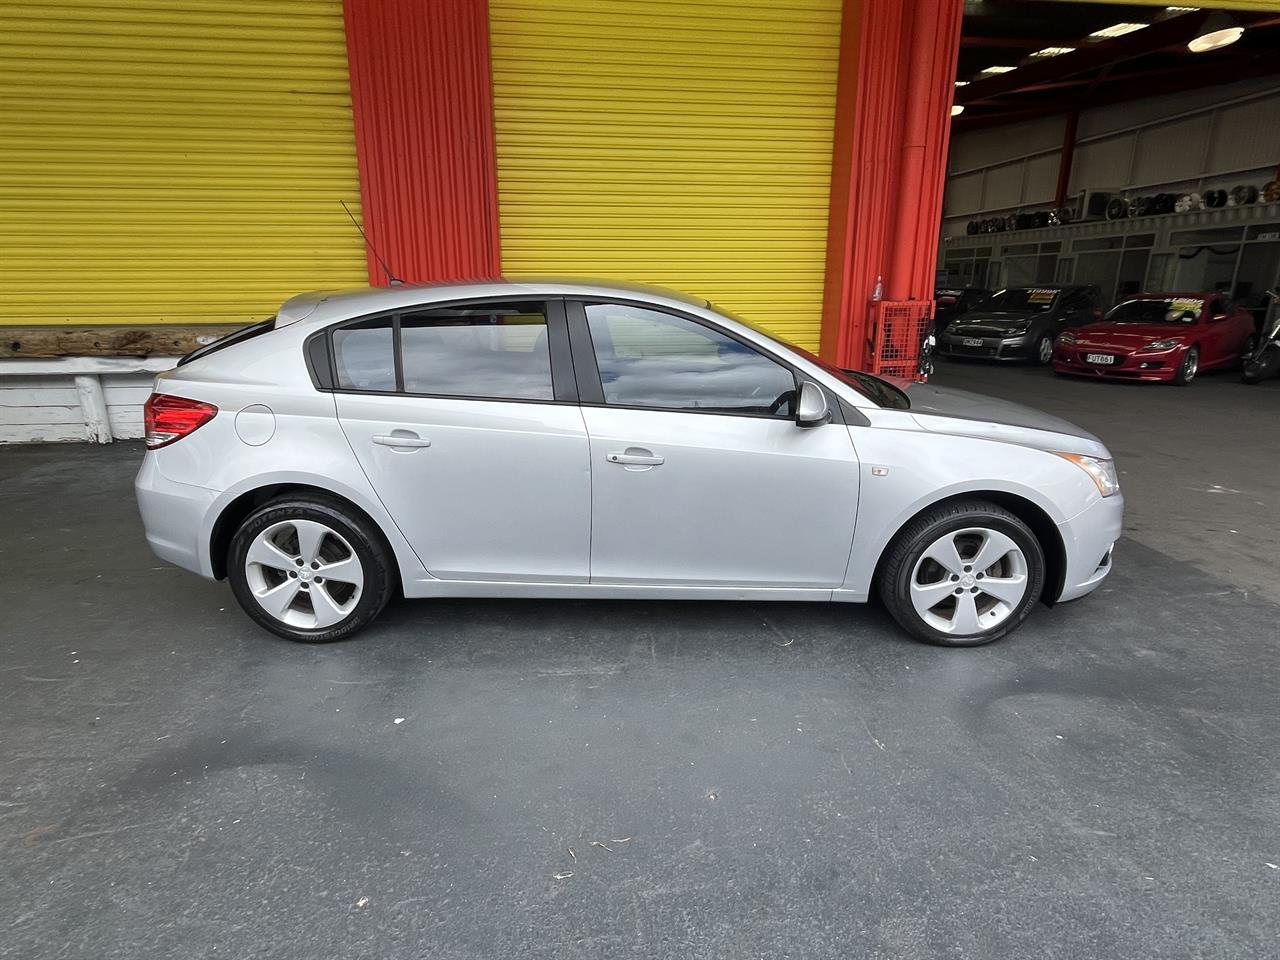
[(812, 409)]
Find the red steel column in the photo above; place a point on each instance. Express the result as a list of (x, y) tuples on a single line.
[(422, 97), (893, 120)]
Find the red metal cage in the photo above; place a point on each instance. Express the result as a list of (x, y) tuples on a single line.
[(898, 328)]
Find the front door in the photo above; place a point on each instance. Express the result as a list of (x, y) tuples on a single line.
[(700, 475), (471, 437)]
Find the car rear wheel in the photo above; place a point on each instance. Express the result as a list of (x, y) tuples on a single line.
[(309, 569), (1044, 350), (1188, 368), (962, 575)]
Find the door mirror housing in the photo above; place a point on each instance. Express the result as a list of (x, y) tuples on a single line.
[(812, 409)]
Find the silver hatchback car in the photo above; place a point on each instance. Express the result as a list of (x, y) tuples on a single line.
[(530, 439)]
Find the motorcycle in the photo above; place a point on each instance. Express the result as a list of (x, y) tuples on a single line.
[(1265, 358), (928, 343)]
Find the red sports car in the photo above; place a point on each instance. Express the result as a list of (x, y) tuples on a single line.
[(1158, 336)]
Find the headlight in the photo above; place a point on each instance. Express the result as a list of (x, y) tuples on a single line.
[(1066, 336), (1157, 345), (1102, 471)]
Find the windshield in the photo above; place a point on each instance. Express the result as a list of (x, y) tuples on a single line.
[(1031, 299), (1174, 310), (881, 392)]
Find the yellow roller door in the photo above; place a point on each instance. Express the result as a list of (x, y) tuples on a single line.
[(681, 142), (172, 160)]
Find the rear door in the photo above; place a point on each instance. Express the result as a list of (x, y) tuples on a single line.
[(700, 475), (465, 420)]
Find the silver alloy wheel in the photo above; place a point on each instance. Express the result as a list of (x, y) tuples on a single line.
[(304, 574), (1191, 365), (969, 581), (1046, 349)]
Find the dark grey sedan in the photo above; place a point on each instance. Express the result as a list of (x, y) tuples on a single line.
[(1021, 323)]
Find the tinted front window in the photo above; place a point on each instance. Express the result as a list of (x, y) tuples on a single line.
[(364, 356), (1032, 299), (1174, 310), (494, 350), (653, 359)]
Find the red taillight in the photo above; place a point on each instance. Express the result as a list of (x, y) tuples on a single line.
[(171, 418)]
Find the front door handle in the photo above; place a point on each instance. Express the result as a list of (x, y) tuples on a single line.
[(401, 438), (628, 458)]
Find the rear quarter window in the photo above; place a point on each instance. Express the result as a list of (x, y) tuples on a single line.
[(364, 356)]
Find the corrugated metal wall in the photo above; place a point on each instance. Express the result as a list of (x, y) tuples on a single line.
[(421, 89), (681, 142), (172, 160)]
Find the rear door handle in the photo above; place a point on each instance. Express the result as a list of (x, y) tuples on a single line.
[(399, 438), (635, 459)]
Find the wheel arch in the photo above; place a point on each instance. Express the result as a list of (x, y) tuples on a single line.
[(1029, 512), (235, 512)]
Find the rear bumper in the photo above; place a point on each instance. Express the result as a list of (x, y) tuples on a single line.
[(1088, 539), (173, 514), (1151, 367)]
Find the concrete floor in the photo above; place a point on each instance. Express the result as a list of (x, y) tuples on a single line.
[(734, 780)]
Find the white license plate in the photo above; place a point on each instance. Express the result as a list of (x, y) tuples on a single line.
[(1099, 358), (971, 342)]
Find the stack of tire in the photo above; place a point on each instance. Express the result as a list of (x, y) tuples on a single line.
[(1020, 221), (1121, 208)]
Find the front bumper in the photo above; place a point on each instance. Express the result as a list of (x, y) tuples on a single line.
[(173, 515), (1154, 367), (985, 347), (1088, 539)]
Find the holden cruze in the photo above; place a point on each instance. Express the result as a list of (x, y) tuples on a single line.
[(557, 440)]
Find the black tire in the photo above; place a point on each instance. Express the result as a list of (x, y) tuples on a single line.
[(1188, 368), (908, 548), (1250, 348), (365, 542), (1262, 366)]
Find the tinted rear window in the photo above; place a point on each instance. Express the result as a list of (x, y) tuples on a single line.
[(494, 350), (364, 355)]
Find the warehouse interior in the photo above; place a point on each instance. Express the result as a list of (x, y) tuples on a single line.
[(672, 778)]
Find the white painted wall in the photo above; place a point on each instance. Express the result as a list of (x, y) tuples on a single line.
[(42, 403), (48, 408), (1203, 139)]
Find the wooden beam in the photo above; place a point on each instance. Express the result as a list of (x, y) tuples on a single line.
[(108, 341)]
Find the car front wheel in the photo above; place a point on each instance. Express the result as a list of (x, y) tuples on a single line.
[(309, 569), (1189, 367), (963, 574), (1043, 352)]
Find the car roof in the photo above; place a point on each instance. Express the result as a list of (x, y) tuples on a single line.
[(330, 305)]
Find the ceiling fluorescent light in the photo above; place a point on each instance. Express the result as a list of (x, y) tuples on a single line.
[(994, 70), (957, 109), (1219, 31), (1116, 30), (962, 83), (1053, 51)]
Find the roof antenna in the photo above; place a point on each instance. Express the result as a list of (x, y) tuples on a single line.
[(392, 279)]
